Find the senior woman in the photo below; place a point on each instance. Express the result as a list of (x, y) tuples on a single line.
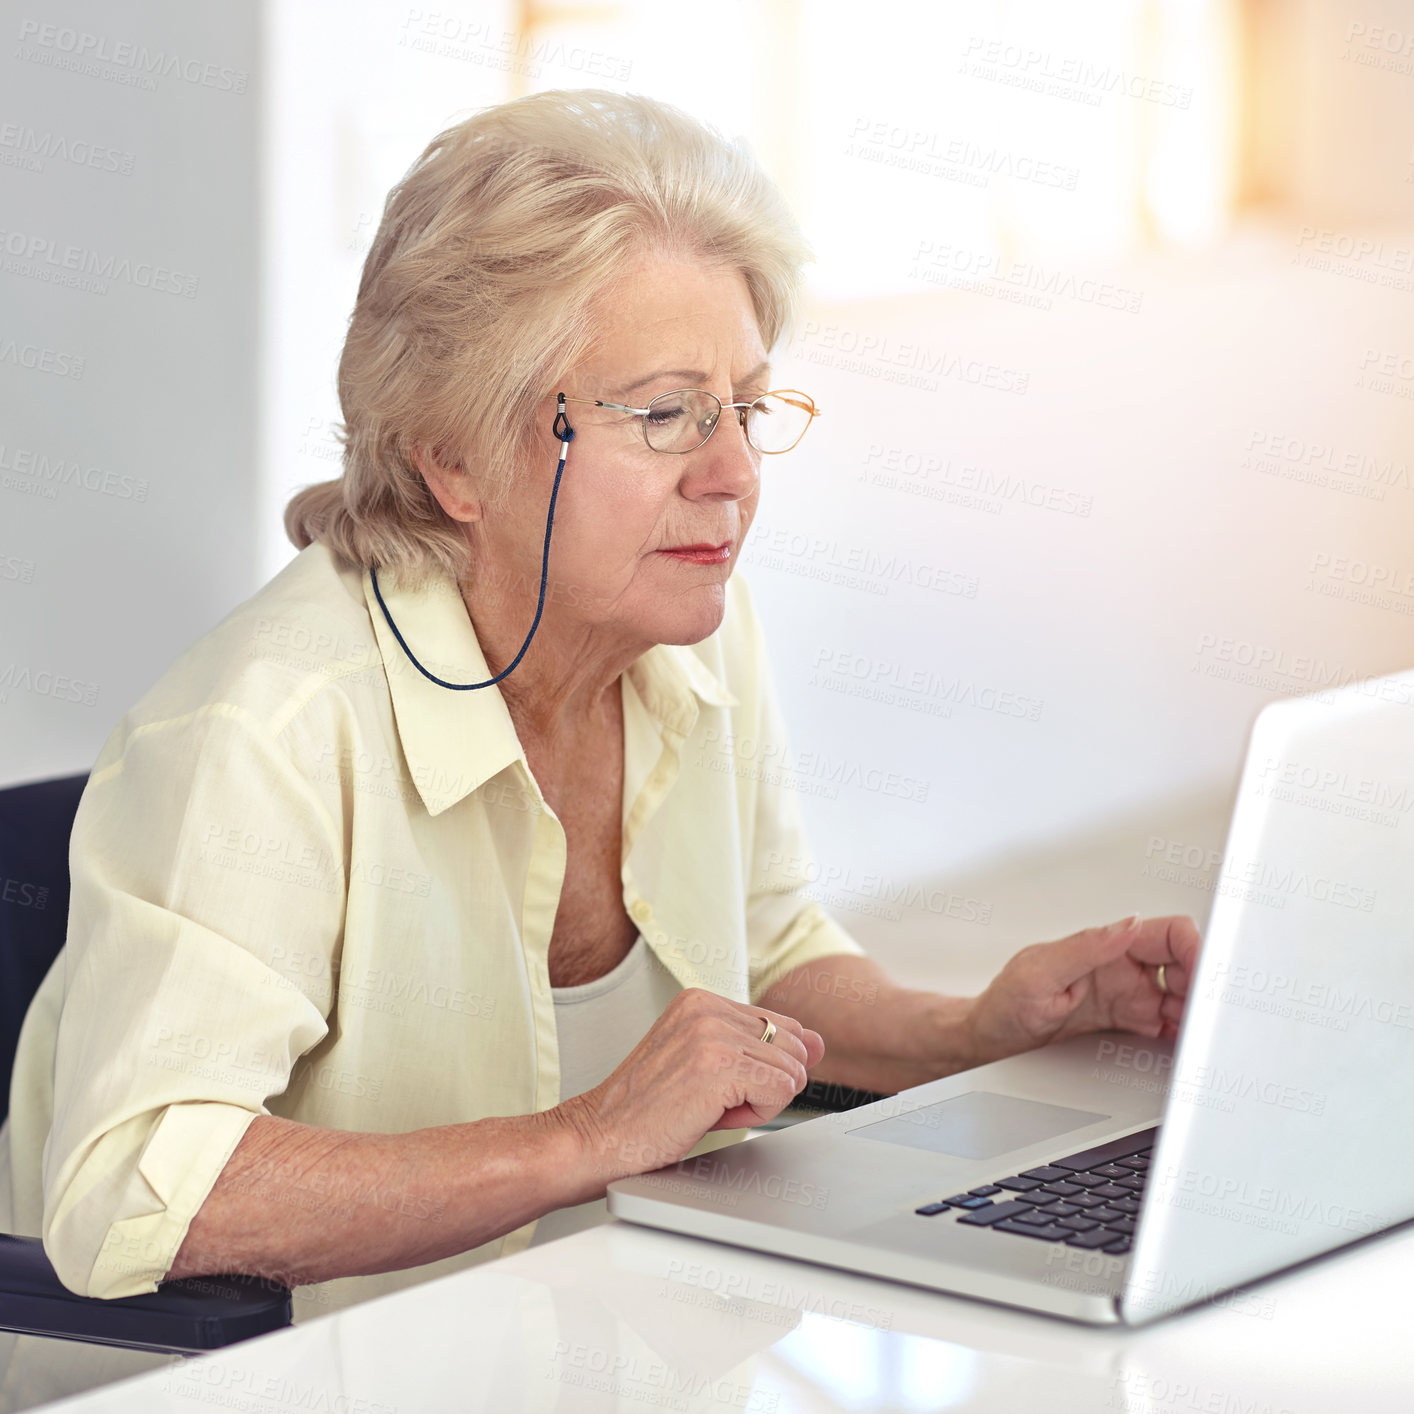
[(422, 898)]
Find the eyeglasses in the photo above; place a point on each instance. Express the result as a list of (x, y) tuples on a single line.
[(682, 421)]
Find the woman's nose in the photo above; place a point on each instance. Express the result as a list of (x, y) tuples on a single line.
[(727, 461)]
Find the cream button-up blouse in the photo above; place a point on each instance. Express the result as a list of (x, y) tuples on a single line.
[(308, 881)]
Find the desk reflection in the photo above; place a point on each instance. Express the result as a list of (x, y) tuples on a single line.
[(620, 1317)]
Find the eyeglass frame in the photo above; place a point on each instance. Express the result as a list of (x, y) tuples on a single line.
[(642, 414)]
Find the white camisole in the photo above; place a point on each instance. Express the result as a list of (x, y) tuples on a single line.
[(599, 1023)]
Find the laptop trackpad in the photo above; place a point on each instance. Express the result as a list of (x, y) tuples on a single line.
[(977, 1125)]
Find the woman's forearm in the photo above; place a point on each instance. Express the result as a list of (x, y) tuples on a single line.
[(298, 1203), (878, 1035)]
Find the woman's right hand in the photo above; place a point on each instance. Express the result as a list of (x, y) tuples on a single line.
[(702, 1066)]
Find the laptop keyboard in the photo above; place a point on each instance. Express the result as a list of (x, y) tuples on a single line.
[(1088, 1200)]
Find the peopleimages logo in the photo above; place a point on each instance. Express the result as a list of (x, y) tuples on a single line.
[(41, 360), (1343, 785), (742, 1180), (20, 677), (24, 469), (1292, 881), (99, 56), (862, 675), (1327, 1003), (40, 257), (794, 765), (30, 147), (1065, 76), (956, 158), (907, 363)]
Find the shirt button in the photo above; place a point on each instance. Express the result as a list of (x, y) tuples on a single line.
[(640, 912)]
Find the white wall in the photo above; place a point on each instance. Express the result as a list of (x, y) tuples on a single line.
[(1105, 623), (127, 492), (355, 89), (1143, 417), (1200, 551)]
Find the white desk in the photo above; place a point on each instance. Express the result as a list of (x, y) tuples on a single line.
[(622, 1317)]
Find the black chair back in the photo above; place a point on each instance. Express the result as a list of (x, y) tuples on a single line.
[(35, 821), (190, 1315)]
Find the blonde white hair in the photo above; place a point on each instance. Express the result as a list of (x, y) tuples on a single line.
[(479, 293)]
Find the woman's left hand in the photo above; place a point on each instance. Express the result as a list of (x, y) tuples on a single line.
[(1099, 979)]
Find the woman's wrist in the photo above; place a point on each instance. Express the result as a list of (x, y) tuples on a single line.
[(956, 1042), (947, 1035), (928, 1035), (583, 1157)]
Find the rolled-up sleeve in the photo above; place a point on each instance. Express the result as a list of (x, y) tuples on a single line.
[(785, 928), (202, 861)]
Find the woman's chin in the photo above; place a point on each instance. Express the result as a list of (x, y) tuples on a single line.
[(690, 617)]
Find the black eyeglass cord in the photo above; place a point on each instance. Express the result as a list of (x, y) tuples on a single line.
[(565, 433)]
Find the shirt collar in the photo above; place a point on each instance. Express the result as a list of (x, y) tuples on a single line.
[(455, 741)]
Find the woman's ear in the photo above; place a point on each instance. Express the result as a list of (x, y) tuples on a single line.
[(448, 480)]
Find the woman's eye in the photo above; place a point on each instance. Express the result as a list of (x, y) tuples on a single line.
[(660, 416)]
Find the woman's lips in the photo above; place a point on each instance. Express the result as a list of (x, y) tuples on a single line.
[(701, 555)]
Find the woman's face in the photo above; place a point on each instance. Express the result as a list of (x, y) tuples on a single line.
[(669, 325)]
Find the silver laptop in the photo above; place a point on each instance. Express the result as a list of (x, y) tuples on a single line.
[(1111, 1179)]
